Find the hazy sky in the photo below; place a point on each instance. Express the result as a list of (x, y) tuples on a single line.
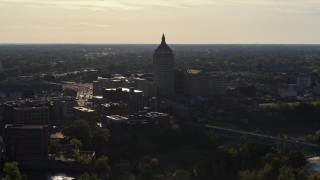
[(144, 21)]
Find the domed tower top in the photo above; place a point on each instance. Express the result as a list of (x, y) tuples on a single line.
[(163, 47)]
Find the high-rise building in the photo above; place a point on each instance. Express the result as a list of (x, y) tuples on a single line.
[(25, 142), (26, 113), (163, 69)]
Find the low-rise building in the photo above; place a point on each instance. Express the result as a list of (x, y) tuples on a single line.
[(122, 125)]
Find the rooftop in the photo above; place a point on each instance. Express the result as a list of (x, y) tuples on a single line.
[(20, 126), (124, 89), (193, 71), (117, 118), (155, 114), (31, 108), (163, 47), (83, 109)]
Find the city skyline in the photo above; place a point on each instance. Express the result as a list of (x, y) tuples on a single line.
[(142, 21)]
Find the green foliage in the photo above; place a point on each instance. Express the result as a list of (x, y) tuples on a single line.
[(146, 168), (296, 112), (101, 167), (247, 175), (100, 137), (266, 172), (315, 138), (199, 171), (82, 135), (76, 142), (77, 155), (316, 176), (286, 173), (13, 172), (87, 176), (181, 174), (79, 129)]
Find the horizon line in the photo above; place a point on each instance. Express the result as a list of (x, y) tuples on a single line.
[(158, 44)]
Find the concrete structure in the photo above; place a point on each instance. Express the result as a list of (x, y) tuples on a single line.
[(178, 81), (102, 83), (62, 107), (116, 109), (134, 98), (85, 113), (197, 82), (14, 89), (31, 115), (163, 69), (122, 125), (26, 112), (119, 81), (140, 84), (303, 82), (25, 142)]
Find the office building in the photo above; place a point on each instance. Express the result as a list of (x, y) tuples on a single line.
[(303, 82), (85, 113), (134, 98), (163, 69), (199, 83), (25, 142), (31, 115)]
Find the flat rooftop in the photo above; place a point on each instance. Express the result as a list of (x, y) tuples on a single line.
[(19, 126), (116, 118), (83, 109), (124, 89)]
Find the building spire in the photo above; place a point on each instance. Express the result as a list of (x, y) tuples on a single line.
[(163, 39)]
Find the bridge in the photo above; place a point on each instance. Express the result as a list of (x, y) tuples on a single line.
[(255, 137)]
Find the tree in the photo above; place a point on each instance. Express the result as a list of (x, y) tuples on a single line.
[(79, 129), (266, 172), (87, 176), (145, 168), (100, 137), (297, 159), (247, 175), (13, 172), (181, 174), (76, 142), (101, 167), (316, 176), (286, 173)]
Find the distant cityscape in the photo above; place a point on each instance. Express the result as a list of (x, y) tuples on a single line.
[(125, 111)]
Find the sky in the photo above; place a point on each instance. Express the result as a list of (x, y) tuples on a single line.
[(144, 21)]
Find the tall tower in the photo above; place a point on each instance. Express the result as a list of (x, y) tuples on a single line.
[(163, 69)]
